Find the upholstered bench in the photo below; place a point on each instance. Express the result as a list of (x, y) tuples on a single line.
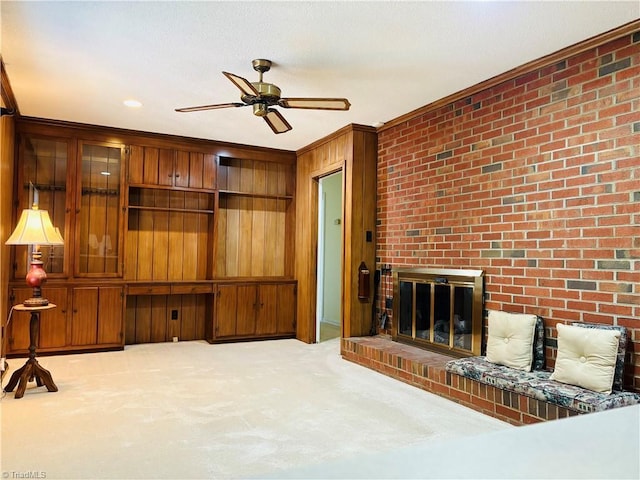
[(538, 383)]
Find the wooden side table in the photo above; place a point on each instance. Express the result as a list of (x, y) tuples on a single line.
[(32, 369)]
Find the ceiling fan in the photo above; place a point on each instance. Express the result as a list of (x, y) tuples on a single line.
[(263, 96)]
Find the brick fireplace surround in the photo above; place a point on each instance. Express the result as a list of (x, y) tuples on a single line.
[(533, 177)]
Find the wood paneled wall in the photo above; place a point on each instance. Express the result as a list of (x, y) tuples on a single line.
[(7, 145), (255, 219), (149, 318), (170, 243), (251, 237), (353, 150), (6, 211)]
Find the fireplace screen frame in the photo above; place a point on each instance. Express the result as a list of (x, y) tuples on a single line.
[(452, 338)]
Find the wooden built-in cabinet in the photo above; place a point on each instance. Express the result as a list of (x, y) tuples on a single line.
[(156, 229), (53, 323), (97, 316), (254, 310), (151, 166), (99, 203), (85, 318), (80, 184)]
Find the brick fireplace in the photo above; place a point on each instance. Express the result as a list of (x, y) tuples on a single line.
[(439, 309), (533, 178)]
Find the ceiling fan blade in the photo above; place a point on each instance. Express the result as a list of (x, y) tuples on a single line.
[(315, 103), (242, 83), (276, 121), (211, 107)]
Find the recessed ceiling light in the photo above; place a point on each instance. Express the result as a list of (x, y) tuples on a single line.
[(132, 103)]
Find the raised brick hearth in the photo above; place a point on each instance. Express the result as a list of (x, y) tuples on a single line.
[(425, 369)]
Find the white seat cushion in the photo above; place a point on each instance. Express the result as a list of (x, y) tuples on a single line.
[(586, 357), (510, 341)]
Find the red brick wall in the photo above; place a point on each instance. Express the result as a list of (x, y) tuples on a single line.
[(536, 181)]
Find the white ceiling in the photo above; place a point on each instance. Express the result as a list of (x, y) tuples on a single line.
[(78, 61)]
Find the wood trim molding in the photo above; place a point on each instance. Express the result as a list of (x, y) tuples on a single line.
[(547, 60), (352, 127), (125, 136), (8, 98)]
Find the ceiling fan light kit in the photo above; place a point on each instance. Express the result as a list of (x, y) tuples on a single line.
[(262, 96)]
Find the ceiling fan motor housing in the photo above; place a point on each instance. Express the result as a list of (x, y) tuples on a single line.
[(269, 95)]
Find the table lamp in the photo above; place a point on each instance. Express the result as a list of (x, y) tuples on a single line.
[(35, 228)]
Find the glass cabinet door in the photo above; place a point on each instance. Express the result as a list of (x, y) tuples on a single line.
[(98, 207), (42, 173)]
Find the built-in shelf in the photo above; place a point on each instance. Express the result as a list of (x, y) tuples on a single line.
[(256, 195), (170, 188), (170, 200), (169, 209)]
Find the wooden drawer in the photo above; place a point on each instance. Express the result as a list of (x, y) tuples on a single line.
[(192, 289), (149, 290)]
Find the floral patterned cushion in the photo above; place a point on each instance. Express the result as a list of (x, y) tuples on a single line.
[(538, 346), (536, 384)]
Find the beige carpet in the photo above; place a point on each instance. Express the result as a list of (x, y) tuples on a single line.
[(193, 410)]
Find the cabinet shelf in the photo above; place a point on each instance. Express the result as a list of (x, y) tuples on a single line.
[(170, 188), (256, 195), (170, 200), (170, 209)]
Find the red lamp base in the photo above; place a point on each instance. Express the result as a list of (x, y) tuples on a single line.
[(35, 278)]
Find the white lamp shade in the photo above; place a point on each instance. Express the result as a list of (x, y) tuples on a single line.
[(35, 228)]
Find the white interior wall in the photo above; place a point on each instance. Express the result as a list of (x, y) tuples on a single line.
[(332, 187)]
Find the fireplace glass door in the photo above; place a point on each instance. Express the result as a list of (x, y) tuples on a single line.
[(440, 309)]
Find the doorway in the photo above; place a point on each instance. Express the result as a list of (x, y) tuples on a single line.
[(329, 281)]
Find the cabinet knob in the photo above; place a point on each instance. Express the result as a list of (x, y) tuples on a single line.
[(177, 175)]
